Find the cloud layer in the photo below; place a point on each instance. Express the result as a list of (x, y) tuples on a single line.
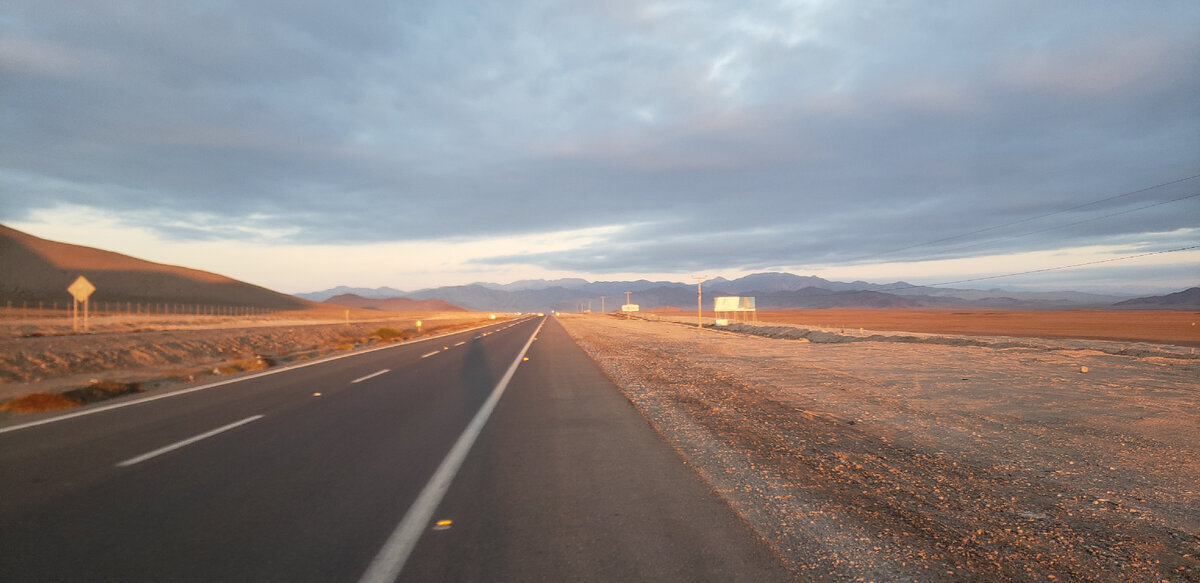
[(699, 135)]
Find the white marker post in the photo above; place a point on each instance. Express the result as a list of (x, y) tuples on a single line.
[(80, 290)]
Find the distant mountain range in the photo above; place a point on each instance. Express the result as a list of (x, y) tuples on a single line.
[(36, 270), (394, 304), (771, 290)]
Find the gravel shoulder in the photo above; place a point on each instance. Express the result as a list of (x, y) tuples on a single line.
[(943, 460)]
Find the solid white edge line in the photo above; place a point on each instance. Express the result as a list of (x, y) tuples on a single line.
[(371, 376), (390, 559), (427, 355), (289, 367), (178, 444)]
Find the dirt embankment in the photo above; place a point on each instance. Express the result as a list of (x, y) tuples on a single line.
[(183, 353), (885, 461)]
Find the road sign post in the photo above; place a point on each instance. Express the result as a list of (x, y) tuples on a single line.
[(80, 290)]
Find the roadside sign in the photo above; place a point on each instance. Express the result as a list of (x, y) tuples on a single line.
[(81, 289)]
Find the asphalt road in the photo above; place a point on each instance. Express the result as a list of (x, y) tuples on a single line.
[(486, 455)]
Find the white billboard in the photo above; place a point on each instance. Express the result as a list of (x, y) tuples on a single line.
[(733, 304), (725, 304)]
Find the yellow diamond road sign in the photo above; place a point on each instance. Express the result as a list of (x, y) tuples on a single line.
[(81, 289)]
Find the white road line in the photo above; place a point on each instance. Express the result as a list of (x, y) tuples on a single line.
[(290, 367), (371, 376), (428, 354), (461, 343), (178, 444), (391, 558)]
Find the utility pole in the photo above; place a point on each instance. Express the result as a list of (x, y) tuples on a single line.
[(627, 316), (589, 306), (699, 302), (602, 305)]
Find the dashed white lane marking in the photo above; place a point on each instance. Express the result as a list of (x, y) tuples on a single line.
[(461, 343), (178, 444), (391, 558), (288, 368), (428, 354), (371, 376)]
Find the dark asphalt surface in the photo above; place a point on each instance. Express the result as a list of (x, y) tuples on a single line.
[(567, 482)]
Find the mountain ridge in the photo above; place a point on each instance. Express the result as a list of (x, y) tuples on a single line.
[(394, 304), (773, 290), (1186, 299)]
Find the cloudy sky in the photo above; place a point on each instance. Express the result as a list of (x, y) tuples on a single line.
[(303, 145)]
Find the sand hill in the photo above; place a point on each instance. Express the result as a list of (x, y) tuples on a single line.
[(34, 269), (394, 304)]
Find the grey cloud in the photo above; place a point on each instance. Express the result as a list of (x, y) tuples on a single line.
[(792, 135)]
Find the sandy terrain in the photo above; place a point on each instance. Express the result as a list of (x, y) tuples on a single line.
[(1170, 326), (945, 460), (1180, 327), (39, 354)]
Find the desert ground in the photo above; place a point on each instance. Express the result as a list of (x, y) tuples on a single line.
[(39, 352), (925, 449), (894, 456), (1165, 326), (1179, 327)]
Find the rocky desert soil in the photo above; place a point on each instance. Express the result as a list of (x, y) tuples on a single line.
[(42, 355), (891, 457)]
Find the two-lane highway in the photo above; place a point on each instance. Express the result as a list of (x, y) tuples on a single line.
[(311, 474)]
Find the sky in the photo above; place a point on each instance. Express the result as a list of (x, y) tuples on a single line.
[(305, 145)]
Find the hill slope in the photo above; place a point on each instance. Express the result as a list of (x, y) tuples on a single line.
[(34, 269), (1187, 299)]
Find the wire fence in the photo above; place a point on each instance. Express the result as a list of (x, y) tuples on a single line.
[(54, 308)]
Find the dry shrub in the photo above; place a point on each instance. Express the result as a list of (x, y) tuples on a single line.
[(101, 390), (36, 402), (390, 334), (344, 346), (245, 365)]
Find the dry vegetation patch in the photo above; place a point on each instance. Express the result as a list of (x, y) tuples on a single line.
[(245, 365), (95, 391), (393, 334), (38, 402)]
